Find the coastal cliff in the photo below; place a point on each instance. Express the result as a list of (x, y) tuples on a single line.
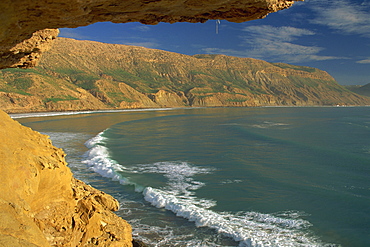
[(41, 204), (87, 75)]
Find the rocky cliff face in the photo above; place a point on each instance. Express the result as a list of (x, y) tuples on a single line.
[(85, 75), (24, 33), (41, 204)]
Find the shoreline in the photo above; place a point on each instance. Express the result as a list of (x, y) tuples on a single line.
[(201, 111), (67, 113), (279, 109)]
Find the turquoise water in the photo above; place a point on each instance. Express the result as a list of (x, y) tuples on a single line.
[(227, 176)]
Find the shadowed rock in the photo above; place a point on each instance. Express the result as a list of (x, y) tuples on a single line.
[(25, 25), (41, 204)]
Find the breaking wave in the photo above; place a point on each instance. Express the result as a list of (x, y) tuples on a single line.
[(97, 159), (178, 194)]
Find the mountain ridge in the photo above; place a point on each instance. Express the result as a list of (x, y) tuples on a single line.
[(360, 89), (89, 75)]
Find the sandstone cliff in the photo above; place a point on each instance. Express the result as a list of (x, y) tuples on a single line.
[(25, 34), (86, 75), (41, 204)]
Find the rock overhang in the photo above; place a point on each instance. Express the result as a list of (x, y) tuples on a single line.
[(29, 27)]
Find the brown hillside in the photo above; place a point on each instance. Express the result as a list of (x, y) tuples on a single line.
[(87, 75)]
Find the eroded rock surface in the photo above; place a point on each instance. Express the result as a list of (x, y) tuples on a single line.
[(23, 36), (41, 204)]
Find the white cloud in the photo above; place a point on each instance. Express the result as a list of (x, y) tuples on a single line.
[(141, 28), (275, 44), (365, 61), (72, 33), (343, 15), (277, 33)]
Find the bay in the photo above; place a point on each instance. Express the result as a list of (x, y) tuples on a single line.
[(271, 176)]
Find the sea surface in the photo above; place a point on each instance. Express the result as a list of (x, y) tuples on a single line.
[(270, 176)]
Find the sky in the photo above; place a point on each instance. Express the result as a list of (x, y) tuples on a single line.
[(332, 35)]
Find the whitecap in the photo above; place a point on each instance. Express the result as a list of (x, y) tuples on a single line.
[(180, 181), (97, 158), (179, 196), (231, 181), (268, 124), (247, 228)]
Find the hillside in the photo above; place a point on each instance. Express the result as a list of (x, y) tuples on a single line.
[(87, 75), (360, 89)]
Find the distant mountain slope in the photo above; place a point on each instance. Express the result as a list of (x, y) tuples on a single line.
[(360, 89), (81, 75)]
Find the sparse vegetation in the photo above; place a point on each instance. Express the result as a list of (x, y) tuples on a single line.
[(231, 78), (63, 98), (118, 97), (236, 100), (289, 66), (22, 83)]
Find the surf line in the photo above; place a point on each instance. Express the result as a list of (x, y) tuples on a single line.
[(248, 228)]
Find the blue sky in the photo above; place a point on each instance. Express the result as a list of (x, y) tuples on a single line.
[(332, 35)]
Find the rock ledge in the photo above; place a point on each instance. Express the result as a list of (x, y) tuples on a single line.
[(25, 27), (41, 204)]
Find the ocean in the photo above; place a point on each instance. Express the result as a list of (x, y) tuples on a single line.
[(266, 176)]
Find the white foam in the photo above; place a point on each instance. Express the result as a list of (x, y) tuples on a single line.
[(268, 124), (168, 236), (70, 143), (62, 139), (229, 181), (47, 114), (178, 173), (51, 114), (98, 159), (181, 183), (248, 228)]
